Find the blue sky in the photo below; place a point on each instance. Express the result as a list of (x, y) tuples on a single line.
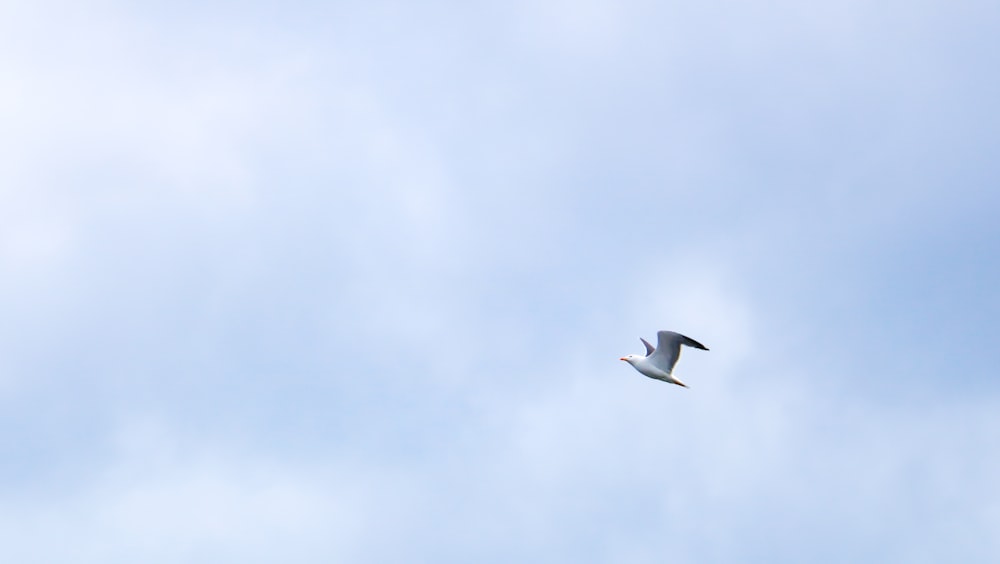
[(349, 282)]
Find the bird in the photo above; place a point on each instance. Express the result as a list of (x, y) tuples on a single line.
[(660, 360)]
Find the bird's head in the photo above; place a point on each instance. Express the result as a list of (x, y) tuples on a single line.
[(630, 358)]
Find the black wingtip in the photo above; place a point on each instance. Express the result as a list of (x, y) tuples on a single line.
[(692, 343)]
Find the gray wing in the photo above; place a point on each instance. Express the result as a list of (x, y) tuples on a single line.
[(668, 349), (649, 347)]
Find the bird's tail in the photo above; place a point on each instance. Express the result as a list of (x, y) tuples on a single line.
[(679, 383)]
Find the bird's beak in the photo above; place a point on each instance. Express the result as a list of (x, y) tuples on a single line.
[(622, 358)]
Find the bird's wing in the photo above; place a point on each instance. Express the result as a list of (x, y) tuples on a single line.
[(649, 347), (668, 349)]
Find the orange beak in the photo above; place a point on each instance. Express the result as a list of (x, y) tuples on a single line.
[(622, 358)]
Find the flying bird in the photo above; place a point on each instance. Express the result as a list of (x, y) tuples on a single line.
[(659, 361)]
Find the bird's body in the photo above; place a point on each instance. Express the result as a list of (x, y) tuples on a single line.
[(660, 360)]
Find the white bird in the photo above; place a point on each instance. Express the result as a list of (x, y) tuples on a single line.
[(659, 362)]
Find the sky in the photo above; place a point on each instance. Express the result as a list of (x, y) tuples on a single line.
[(349, 281)]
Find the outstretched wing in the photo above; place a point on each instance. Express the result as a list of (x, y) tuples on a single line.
[(649, 347), (668, 349)]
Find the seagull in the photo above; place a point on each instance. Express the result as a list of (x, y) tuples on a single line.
[(660, 360)]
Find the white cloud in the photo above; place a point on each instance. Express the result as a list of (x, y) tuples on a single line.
[(164, 497)]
